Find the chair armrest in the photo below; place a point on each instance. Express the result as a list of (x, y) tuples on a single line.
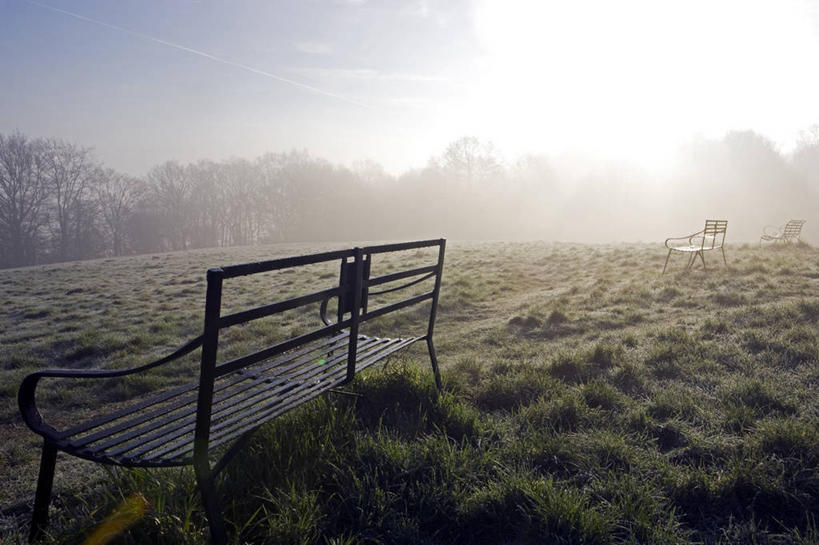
[(772, 231), (26, 399), (687, 238)]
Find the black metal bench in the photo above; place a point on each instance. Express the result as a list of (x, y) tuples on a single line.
[(231, 399)]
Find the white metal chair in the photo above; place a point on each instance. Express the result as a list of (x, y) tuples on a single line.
[(788, 233), (710, 238)]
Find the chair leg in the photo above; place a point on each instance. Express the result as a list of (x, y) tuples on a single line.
[(723, 256), (702, 258), (666, 261), (434, 361), (691, 260), (42, 497), (205, 481)]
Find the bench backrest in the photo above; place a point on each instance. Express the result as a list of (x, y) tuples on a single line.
[(713, 236), (792, 229), (353, 291)]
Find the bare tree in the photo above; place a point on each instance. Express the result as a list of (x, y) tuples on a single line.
[(296, 187), (240, 182), (470, 161), (172, 191), (71, 173), (117, 197), (23, 193), (806, 156), (208, 208), (277, 186)]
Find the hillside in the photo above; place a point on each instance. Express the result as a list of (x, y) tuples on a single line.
[(588, 400)]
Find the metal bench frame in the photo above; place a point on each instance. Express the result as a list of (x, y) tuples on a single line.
[(182, 426), (712, 237), (787, 234)]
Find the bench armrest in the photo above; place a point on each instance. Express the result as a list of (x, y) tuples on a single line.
[(26, 395), (323, 311), (688, 238)]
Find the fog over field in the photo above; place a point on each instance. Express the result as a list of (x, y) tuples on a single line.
[(138, 127), (60, 204)]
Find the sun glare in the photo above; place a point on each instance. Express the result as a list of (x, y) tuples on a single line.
[(634, 78)]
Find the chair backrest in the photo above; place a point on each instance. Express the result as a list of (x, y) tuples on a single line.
[(713, 236), (793, 229)]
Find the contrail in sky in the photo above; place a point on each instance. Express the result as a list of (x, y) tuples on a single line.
[(200, 53)]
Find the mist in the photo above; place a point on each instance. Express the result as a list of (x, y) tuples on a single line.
[(58, 203), (147, 127)]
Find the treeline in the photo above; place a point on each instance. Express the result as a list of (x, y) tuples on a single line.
[(58, 203)]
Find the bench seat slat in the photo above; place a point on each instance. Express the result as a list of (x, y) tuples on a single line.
[(187, 410), (283, 389), (238, 398), (279, 406), (368, 360), (305, 393), (337, 342), (275, 384), (384, 348), (107, 418), (329, 377)]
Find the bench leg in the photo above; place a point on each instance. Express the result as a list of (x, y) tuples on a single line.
[(205, 481), (434, 361), (666, 261), (42, 498)]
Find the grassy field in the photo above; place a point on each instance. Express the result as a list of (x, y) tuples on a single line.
[(588, 399)]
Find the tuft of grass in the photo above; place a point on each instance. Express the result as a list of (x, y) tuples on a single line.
[(522, 508), (729, 299), (712, 327), (809, 309), (571, 367), (668, 293), (606, 355), (513, 387), (674, 403), (759, 397), (789, 439), (563, 413), (556, 318), (602, 395)]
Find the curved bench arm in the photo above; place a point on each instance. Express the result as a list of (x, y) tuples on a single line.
[(688, 239), (772, 231), (323, 311), (26, 395)]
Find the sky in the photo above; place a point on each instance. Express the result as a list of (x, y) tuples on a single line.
[(145, 81)]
